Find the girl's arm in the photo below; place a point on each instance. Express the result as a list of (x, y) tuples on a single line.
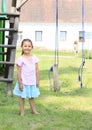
[(37, 75), (19, 77)]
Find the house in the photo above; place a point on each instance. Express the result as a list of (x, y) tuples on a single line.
[(38, 22)]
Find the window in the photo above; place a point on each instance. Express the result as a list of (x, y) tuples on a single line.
[(38, 35), (63, 35), (81, 36)]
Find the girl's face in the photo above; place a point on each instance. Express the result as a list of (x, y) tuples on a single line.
[(26, 47)]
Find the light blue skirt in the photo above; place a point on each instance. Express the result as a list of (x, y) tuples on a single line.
[(28, 91)]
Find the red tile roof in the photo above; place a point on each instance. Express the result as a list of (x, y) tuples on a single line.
[(45, 11)]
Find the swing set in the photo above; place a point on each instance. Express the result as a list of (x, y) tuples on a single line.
[(54, 68), (7, 51)]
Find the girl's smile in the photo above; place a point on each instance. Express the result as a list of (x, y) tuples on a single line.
[(27, 47)]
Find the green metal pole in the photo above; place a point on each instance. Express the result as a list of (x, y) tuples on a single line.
[(2, 34), (3, 6)]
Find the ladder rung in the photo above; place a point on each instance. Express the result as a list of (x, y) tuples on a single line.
[(3, 53), (9, 29), (7, 62), (5, 80), (4, 18), (8, 46), (10, 14)]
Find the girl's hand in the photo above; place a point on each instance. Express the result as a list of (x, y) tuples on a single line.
[(21, 87), (37, 85)]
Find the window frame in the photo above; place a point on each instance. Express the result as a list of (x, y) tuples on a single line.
[(81, 36), (38, 36), (63, 36)]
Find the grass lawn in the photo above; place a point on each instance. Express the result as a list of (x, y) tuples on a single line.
[(69, 109)]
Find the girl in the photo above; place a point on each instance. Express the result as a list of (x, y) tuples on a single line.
[(28, 77)]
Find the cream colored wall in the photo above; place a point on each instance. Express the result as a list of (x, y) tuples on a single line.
[(48, 37)]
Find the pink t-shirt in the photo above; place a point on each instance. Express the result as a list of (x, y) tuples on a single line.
[(28, 69)]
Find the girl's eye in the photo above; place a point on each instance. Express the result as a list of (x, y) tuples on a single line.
[(27, 46)]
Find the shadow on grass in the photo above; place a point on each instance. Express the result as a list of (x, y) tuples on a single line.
[(44, 74), (67, 88), (54, 115), (66, 118), (69, 70), (78, 92)]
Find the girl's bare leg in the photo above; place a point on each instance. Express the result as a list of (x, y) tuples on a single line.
[(32, 105), (21, 106)]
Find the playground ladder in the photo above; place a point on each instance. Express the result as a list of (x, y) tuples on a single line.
[(9, 49)]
